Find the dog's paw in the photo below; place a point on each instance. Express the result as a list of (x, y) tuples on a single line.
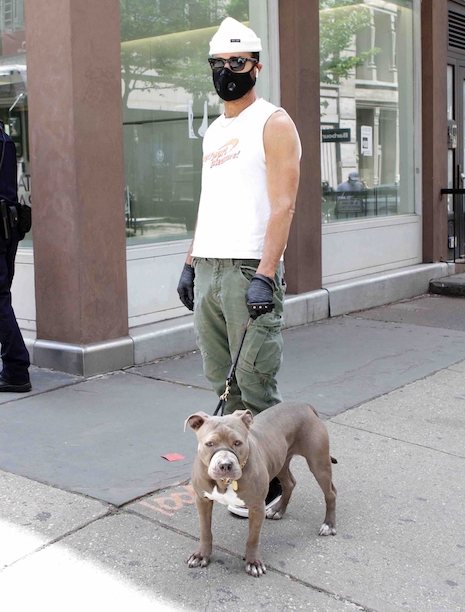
[(255, 568), (197, 559), (274, 513), (326, 530)]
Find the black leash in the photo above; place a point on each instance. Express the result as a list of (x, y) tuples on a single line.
[(224, 398)]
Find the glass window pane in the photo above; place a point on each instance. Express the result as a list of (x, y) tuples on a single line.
[(13, 92), (450, 92), (367, 148), (168, 103)]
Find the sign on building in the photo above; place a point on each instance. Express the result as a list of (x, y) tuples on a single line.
[(335, 135)]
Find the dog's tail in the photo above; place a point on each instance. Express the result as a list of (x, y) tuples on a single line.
[(333, 460)]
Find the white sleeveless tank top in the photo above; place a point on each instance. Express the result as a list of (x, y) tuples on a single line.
[(234, 207)]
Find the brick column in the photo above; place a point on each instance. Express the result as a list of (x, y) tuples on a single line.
[(77, 175), (434, 26), (300, 96)]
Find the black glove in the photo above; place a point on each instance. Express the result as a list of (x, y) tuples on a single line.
[(186, 286), (259, 296)]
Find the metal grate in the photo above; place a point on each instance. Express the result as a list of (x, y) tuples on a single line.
[(456, 30)]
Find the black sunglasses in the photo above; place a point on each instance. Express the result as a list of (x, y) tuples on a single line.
[(235, 63)]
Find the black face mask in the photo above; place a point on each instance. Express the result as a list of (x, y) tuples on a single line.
[(232, 85)]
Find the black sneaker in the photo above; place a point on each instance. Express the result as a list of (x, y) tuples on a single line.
[(274, 494)]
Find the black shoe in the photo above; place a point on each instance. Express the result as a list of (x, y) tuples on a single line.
[(274, 492), (8, 387)]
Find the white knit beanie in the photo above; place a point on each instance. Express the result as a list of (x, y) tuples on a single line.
[(234, 37)]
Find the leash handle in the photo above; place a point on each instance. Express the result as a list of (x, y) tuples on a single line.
[(231, 373)]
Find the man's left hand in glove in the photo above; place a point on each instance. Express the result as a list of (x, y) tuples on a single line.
[(259, 296), (186, 286)]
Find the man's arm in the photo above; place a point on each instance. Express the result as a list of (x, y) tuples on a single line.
[(189, 254), (186, 282), (282, 152)]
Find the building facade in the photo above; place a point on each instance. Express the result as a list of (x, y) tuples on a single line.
[(108, 103)]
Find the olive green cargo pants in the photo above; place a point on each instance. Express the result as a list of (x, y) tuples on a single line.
[(220, 315)]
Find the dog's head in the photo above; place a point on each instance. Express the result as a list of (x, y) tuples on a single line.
[(223, 442)]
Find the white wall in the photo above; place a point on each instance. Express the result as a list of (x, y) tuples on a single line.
[(357, 248), (153, 275)]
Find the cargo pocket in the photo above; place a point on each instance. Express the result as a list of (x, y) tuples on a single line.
[(262, 350)]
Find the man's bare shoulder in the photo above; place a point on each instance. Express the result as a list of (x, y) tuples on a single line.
[(280, 130), (280, 122)]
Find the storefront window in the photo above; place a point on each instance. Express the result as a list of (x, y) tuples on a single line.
[(13, 91), (168, 103), (367, 136)]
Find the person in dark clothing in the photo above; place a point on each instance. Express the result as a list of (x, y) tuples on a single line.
[(352, 184), (14, 376)]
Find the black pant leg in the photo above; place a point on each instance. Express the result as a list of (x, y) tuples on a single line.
[(15, 356)]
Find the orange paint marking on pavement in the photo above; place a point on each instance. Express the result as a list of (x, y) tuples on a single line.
[(171, 503)]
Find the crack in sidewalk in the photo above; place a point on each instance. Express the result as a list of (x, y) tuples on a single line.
[(269, 568), (110, 512), (171, 382), (382, 435)]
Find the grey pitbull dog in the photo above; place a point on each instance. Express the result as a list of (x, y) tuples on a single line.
[(238, 455)]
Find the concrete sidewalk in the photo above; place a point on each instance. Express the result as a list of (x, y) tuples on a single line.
[(92, 515)]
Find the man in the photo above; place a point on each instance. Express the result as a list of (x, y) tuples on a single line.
[(352, 184), (234, 268), (14, 377), (347, 201)]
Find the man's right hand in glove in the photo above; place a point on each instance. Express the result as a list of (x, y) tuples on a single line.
[(186, 286), (259, 296)]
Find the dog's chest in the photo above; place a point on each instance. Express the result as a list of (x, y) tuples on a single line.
[(228, 498)]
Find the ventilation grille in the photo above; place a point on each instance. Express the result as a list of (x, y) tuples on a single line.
[(456, 30)]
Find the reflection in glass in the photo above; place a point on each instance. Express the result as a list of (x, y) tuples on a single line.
[(463, 132), (168, 103), (450, 152), (13, 92), (450, 92), (366, 92)]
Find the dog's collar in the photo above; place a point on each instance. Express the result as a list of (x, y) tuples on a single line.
[(228, 481)]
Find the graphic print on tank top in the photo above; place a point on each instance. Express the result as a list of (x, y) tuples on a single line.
[(225, 153)]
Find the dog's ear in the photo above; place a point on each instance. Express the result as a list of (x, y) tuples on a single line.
[(195, 421), (245, 415)]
